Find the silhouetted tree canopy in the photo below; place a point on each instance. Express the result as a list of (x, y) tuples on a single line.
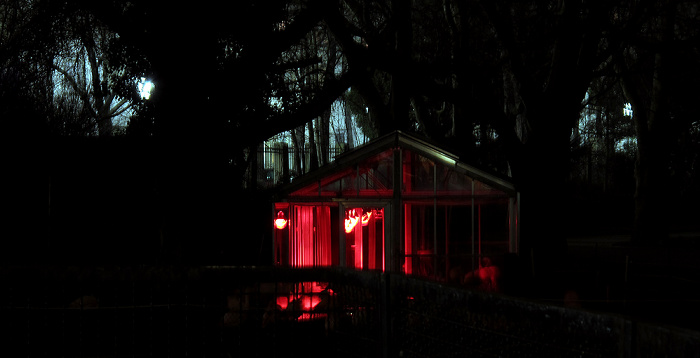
[(502, 83)]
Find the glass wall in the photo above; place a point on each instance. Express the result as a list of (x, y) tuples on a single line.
[(307, 239), (401, 209), (372, 177), (364, 238), (450, 221)]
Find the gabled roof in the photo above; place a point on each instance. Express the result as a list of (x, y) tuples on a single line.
[(398, 139)]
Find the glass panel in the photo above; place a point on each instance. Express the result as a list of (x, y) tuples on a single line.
[(341, 185), (419, 179), (444, 241), (418, 176), (364, 238), (493, 231), (451, 182), (458, 241), (309, 190), (301, 247), (307, 238), (376, 175), (375, 180), (420, 240), (481, 188), (437, 240)]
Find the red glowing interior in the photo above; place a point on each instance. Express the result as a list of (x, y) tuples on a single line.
[(351, 219), (304, 299), (365, 242), (309, 239), (444, 220), (365, 218)]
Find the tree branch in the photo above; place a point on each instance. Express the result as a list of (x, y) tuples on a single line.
[(81, 92), (115, 111), (323, 100), (90, 46)]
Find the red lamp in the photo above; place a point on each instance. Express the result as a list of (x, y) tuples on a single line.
[(351, 220), (280, 222), (365, 217)]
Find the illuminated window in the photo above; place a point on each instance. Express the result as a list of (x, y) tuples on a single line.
[(365, 240), (397, 204), (306, 240)]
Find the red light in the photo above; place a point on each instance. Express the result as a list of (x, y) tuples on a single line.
[(351, 220), (365, 218), (280, 222), (350, 224), (283, 302), (310, 302), (303, 299)]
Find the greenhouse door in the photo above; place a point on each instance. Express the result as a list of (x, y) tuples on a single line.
[(364, 235)]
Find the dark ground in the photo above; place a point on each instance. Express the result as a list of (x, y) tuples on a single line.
[(657, 283)]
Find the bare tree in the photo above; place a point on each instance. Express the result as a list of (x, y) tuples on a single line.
[(83, 70)]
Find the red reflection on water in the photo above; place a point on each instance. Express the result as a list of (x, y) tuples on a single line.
[(305, 298)]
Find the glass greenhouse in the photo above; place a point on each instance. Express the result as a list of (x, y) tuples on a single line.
[(398, 204)]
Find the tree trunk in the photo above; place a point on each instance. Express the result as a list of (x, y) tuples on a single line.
[(543, 112), (651, 219), (651, 204), (655, 136), (541, 169), (324, 122), (453, 12), (324, 134), (348, 127), (313, 150), (298, 142), (400, 96)]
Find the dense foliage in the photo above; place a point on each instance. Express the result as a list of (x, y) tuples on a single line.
[(531, 89)]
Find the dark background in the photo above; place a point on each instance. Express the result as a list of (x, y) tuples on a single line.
[(502, 84)]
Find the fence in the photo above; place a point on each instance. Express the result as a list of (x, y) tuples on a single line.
[(265, 312), (278, 162)]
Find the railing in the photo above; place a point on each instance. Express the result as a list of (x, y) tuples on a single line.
[(228, 311), (275, 162)]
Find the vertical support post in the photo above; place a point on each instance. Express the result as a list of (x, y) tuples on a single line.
[(285, 163), (260, 163), (472, 208), (511, 226), (517, 222), (435, 247), (386, 238), (447, 243), (359, 263), (478, 237), (341, 237), (274, 236), (394, 241)]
